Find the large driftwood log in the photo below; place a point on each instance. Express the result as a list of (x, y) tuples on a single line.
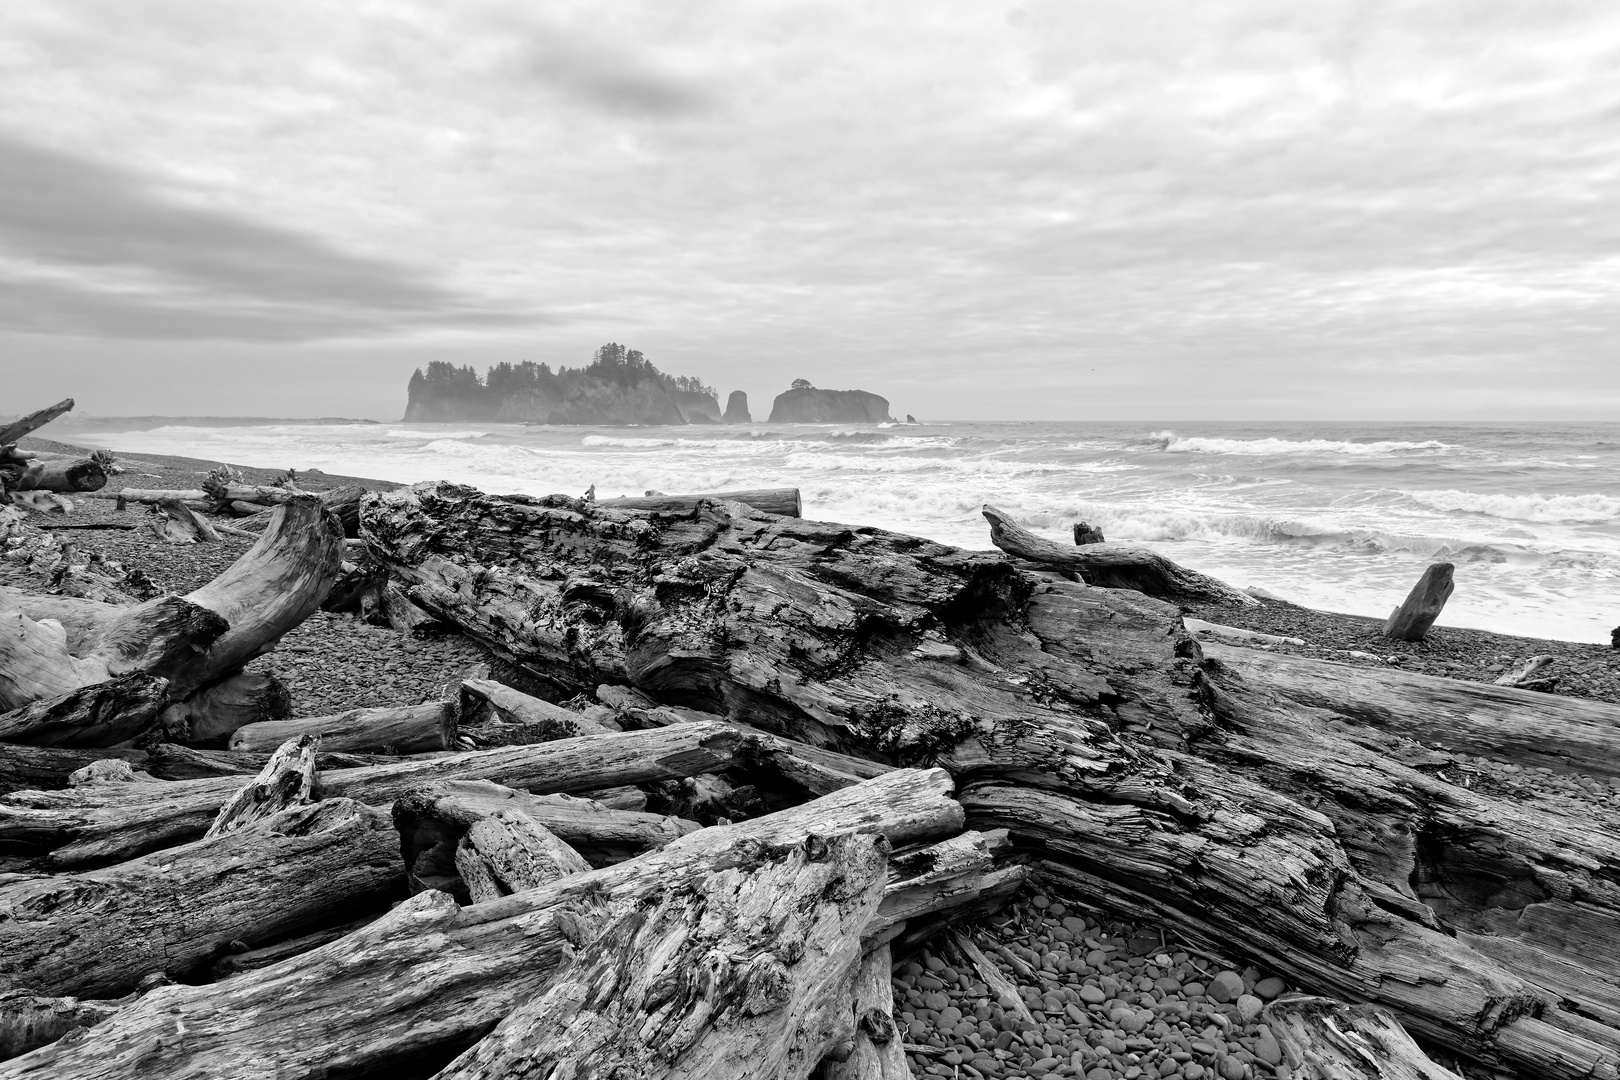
[(85, 828), (37, 768), (211, 716), (98, 933), (1114, 565), (509, 852), (63, 477), (1564, 734), (405, 729), (171, 761), (781, 501), (430, 978), (711, 982), (494, 714), (433, 819), (1084, 720), (1328, 1040), (1411, 621), (102, 713)]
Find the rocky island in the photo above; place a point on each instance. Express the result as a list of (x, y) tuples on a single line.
[(804, 404), (619, 386)]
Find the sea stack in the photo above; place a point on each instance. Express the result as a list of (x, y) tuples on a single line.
[(804, 404), (737, 409)]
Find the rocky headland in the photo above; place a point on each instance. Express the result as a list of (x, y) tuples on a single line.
[(805, 404)]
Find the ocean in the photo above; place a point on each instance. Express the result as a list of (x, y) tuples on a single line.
[(1340, 516)]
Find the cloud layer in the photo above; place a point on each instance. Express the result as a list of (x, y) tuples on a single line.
[(1245, 207)]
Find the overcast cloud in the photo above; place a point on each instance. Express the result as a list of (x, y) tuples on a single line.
[(1230, 209)]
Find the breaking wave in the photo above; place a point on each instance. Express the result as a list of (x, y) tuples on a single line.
[(1538, 508), (1170, 442)]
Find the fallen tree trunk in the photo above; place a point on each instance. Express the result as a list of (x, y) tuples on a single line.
[(494, 714), (1114, 565), (100, 714), (1411, 621), (84, 828), (431, 978), (179, 524), (1564, 734), (433, 819), (211, 716), (1333, 1041), (406, 729), (98, 933), (1086, 722), (10, 433), (171, 761), (781, 501), (63, 477), (509, 852)]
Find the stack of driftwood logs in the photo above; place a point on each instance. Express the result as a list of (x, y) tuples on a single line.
[(36, 481), (808, 745)]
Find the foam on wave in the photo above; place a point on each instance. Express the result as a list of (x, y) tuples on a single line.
[(1170, 442), (1591, 507)]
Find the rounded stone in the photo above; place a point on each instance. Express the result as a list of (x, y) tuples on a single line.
[(1092, 995), (1248, 1007), (1226, 987), (1267, 989), (1193, 989)]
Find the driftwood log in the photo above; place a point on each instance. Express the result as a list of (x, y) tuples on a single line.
[(1411, 621), (782, 501), (430, 979), (1114, 565), (31, 768), (83, 828), (1088, 723), (1328, 1040), (10, 433), (404, 729), (30, 1020), (177, 523), (63, 476)]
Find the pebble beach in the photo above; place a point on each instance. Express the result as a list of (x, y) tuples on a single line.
[(1046, 988)]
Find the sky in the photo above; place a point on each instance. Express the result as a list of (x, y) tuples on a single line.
[(996, 209)]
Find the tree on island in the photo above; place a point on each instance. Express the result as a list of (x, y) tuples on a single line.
[(802, 384), (443, 390)]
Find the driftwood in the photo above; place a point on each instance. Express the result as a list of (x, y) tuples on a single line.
[(509, 852), (63, 477), (1564, 734), (430, 978), (405, 729), (782, 501), (1087, 534), (24, 768), (10, 433), (98, 933), (405, 615), (177, 523), (171, 761), (1528, 675), (494, 714), (433, 820), (212, 715), (85, 828), (1113, 565), (1328, 1040), (711, 981), (30, 1020), (875, 1052), (287, 780), (1087, 722), (100, 714), (1411, 621)]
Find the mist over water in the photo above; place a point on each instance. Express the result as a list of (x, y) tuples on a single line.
[(1337, 516)]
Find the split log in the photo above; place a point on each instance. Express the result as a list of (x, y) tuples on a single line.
[(1114, 565), (1411, 621), (212, 715), (711, 982), (10, 433), (98, 933), (1564, 734), (287, 780), (781, 501), (1528, 675), (1329, 1040), (948, 876), (85, 828), (343, 503), (30, 1020), (25, 768), (508, 852), (251, 959), (1085, 721), (494, 714), (430, 978), (63, 477), (406, 729), (877, 1051), (179, 524), (433, 819)]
